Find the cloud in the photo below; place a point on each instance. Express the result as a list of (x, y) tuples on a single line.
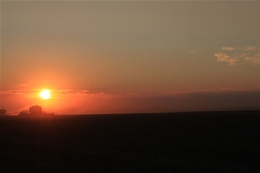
[(193, 52), (254, 60), (241, 55), (252, 48), (228, 48), (23, 85), (222, 57), (86, 103)]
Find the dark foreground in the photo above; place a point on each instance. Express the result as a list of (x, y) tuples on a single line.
[(176, 142)]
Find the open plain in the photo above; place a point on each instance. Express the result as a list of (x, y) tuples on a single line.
[(164, 142)]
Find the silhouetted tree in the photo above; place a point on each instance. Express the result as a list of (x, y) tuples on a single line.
[(35, 109), (2, 111)]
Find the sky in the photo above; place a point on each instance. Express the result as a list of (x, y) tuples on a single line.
[(130, 56)]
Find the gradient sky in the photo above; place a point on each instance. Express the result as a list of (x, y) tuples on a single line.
[(106, 57)]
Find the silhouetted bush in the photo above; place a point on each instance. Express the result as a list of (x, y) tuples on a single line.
[(23, 113)]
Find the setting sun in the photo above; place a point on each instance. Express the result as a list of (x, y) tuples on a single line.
[(45, 94)]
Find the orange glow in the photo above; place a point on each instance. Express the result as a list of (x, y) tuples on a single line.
[(45, 94)]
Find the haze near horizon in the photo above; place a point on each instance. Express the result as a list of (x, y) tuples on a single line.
[(124, 57)]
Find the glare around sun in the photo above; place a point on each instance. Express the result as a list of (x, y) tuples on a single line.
[(45, 94)]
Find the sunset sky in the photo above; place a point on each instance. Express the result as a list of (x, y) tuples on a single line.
[(117, 57)]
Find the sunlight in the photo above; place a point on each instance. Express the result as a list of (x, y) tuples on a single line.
[(45, 94)]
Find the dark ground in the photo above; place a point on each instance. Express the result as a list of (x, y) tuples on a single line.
[(174, 142)]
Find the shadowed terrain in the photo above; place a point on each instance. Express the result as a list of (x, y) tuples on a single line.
[(167, 142)]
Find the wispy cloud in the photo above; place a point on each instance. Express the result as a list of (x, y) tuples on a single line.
[(69, 91), (4, 92), (193, 52), (239, 55), (228, 48), (60, 92)]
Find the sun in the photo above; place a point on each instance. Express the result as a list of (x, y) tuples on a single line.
[(45, 94)]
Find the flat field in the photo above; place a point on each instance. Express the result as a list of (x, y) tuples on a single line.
[(167, 142)]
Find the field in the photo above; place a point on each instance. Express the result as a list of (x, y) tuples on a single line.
[(167, 142)]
